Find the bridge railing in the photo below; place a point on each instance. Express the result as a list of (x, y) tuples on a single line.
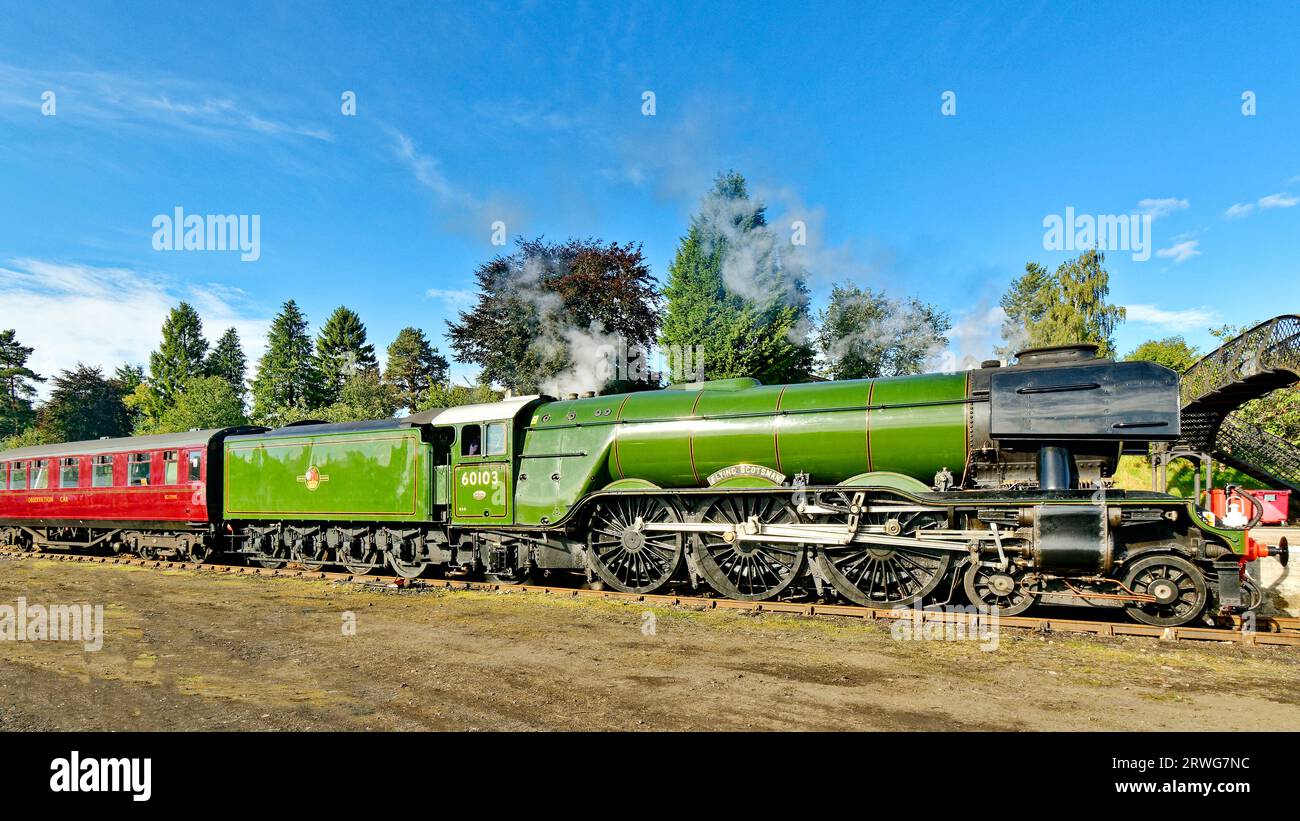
[(1269, 347)]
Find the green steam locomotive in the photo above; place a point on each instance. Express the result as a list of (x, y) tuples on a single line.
[(987, 486)]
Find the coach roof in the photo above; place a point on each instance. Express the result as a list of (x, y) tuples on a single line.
[(92, 447)]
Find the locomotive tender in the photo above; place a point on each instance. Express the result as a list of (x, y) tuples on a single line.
[(985, 485)]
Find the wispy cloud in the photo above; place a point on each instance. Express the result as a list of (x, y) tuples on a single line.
[(1158, 208), (1184, 320), (117, 101), (1279, 200), (457, 208), (74, 313), (458, 299), (1181, 252)]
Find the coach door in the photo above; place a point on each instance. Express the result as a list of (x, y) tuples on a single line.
[(481, 476)]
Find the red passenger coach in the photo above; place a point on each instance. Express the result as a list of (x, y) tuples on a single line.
[(151, 494)]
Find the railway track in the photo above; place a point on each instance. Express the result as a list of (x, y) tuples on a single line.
[(1268, 630)]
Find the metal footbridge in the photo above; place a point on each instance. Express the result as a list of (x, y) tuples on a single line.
[(1258, 361)]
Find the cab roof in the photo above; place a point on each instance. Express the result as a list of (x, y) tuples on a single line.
[(482, 412)]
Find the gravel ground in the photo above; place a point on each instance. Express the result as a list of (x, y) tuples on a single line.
[(187, 651)]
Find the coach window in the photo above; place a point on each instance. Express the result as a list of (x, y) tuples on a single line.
[(196, 465), (471, 440), (171, 467), (496, 439), (4, 477), (137, 472), (40, 474), (70, 472), (18, 476), (102, 475)]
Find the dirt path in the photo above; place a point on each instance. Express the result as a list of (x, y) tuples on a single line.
[(184, 651)]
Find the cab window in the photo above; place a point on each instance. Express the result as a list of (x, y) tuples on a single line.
[(496, 439), (18, 476), (171, 467), (40, 474), (137, 473), (196, 465), (102, 473), (471, 440), (70, 472)]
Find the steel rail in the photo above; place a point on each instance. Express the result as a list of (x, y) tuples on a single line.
[(1269, 630)]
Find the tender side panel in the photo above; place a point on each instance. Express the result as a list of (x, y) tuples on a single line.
[(363, 476)]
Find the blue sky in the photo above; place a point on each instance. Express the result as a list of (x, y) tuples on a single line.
[(531, 114)]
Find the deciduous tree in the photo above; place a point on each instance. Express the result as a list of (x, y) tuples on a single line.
[(864, 334), (1062, 308), (1172, 352), (548, 307), (83, 405)]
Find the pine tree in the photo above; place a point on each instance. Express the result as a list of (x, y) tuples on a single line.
[(414, 367), (16, 383), (1024, 304), (227, 361), (182, 355), (342, 352), (286, 375), (698, 305), (730, 295)]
